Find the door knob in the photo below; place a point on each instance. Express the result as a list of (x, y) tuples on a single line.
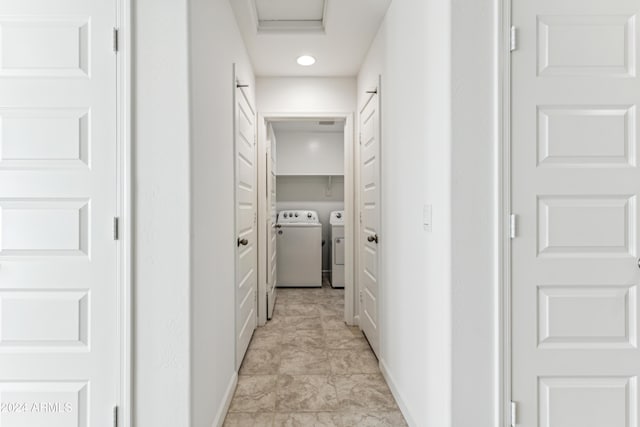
[(373, 238), (243, 242)]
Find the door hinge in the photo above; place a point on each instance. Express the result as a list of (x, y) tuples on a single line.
[(360, 297), (360, 138), (115, 40), (514, 38), (514, 414), (360, 217), (116, 228), (115, 416), (513, 226)]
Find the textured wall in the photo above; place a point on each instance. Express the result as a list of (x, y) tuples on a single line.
[(161, 210), (411, 52), (215, 45)]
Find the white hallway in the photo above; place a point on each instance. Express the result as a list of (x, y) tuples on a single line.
[(197, 147), (452, 134)]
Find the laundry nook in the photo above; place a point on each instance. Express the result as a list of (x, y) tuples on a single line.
[(308, 163)]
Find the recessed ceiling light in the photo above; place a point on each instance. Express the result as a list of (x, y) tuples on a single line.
[(306, 60)]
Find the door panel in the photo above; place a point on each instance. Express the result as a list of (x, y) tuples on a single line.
[(59, 313), (246, 212), (370, 219), (272, 248), (575, 186)]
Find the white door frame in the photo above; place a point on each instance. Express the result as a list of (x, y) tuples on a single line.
[(261, 171), (125, 208), (349, 204), (503, 220)]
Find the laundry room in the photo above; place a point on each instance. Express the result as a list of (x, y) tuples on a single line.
[(309, 158), (306, 152)]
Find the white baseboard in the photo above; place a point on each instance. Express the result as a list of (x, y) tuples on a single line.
[(222, 412), (396, 394), (356, 320)]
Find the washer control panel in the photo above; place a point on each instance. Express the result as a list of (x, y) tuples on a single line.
[(298, 217), (336, 218)]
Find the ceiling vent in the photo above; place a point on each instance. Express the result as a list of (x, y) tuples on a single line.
[(290, 16)]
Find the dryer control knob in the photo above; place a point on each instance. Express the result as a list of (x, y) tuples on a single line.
[(309, 215)]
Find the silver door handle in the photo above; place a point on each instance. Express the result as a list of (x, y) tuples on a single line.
[(373, 238)]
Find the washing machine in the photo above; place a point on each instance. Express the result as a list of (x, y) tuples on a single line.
[(336, 220), (299, 240)]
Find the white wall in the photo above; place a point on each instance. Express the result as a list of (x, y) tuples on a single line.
[(309, 153), (306, 94), (451, 164), (474, 201), (215, 44), (310, 193), (411, 51), (161, 209)]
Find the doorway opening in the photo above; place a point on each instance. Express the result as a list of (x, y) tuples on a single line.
[(306, 165)]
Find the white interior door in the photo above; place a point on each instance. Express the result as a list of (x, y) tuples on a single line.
[(272, 248), (575, 189), (59, 341), (369, 219), (246, 219)]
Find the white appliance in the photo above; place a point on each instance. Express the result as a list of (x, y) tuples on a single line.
[(337, 249), (299, 240)]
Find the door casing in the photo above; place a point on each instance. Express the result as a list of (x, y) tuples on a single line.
[(503, 212), (349, 204), (124, 60)]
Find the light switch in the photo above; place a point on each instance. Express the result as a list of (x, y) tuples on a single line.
[(427, 217)]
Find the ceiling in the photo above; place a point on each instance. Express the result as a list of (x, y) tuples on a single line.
[(308, 126), (337, 33)]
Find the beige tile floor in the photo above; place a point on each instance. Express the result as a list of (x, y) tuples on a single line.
[(307, 368)]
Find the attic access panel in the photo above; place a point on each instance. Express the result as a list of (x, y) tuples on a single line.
[(290, 15)]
